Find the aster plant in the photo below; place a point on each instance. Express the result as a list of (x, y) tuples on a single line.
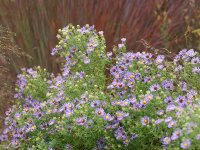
[(146, 101)]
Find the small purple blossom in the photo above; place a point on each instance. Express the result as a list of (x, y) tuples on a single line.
[(160, 112), (95, 103), (172, 124), (15, 142), (176, 134), (166, 141), (158, 121), (99, 112), (186, 144), (145, 120), (81, 121), (108, 117), (154, 87)]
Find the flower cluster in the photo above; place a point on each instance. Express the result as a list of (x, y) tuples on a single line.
[(146, 101)]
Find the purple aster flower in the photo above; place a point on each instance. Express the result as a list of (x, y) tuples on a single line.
[(120, 134), (195, 60), (108, 117), (103, 104), (143, 103), (20, 133), (148, 97), (137, 76), (172, 124), (126, 102), (15, 142), (160, 67), (183, 52), (126, 141), (158, 121), (154, 87), (186, 144), (100, 33), (178, 68), (86, 60), (145, 120), (6, 130), (120, 115), (66, 71), (3, 137), (183, 86), (147, 79), (54, 51), (109, 54), (168, 100), (123, 40), (99, 112), (101, 143), (166, 141), (120, 45), (120, 85), (181, 101), (43, 126), (81, 121), (133, 136), (51, 122), (160, 112), (196, 70), (176, 134), (17, 115), (191, 53), (147, 56), (168, 119), (168, 85), (170, 107), (38, 114), (131, 83), (95, 103), (32, 72), (159, 59)]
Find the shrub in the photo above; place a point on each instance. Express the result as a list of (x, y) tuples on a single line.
[(148, 103)]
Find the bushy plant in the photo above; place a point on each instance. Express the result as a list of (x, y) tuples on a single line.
[(147, 102)]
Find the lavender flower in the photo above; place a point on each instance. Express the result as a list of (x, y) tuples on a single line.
[(120, 115), (160, 112), (133, 136), (172, 124), (15, 142), (158, 121), (95, 103), (166, 141), (81, 121), (108, 117), (145, 120), (181, 101), (155, 87), (159, 59), (86, 60), (186, 144), (168, 119), (99, 112), (176, 134), (51, 122), (168, 100)]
